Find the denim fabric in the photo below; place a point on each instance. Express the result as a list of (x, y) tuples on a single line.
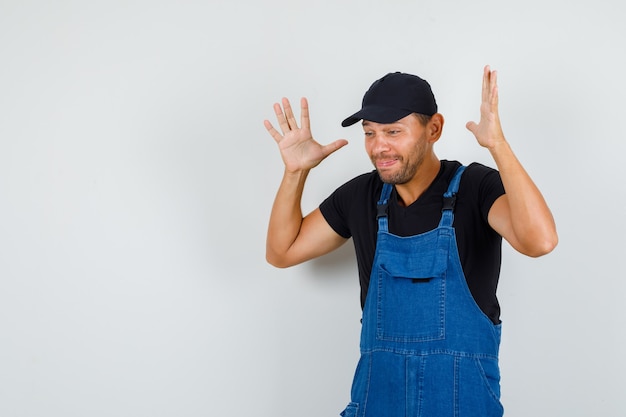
[(427, 350)]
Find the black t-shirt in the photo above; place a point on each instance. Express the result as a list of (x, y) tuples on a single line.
[(351, 212)]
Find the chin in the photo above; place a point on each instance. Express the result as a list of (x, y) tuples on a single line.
[(391, 179)]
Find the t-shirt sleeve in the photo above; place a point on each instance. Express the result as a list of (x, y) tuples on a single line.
[(347, 205), (334, 209), (490, 188)]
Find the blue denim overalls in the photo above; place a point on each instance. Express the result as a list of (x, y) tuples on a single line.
[(427, 350)]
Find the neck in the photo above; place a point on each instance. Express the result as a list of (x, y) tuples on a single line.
[(409, 192)]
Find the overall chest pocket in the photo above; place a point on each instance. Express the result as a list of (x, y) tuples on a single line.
[(411, 299)]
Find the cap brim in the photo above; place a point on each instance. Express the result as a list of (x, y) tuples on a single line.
[(376, 114)]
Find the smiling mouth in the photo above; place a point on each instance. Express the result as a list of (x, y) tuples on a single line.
[(381, 163)]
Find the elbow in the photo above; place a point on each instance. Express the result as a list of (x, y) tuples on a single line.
[(273, 260), (541, 247), (277, 261)]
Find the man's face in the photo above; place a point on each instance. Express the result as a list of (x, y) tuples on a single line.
[(397, 149)]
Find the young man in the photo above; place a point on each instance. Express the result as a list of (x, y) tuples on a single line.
[(427, 235)]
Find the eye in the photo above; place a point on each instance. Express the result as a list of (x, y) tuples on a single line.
[(368, 134)]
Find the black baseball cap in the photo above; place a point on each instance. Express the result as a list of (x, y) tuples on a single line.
[(393, 97)]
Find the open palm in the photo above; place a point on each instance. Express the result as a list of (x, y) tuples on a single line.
[(298, 149), (488, 131)]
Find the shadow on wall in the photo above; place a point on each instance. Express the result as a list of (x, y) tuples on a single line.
[(340, 263)]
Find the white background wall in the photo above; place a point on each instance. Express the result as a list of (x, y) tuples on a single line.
[(136, 180)]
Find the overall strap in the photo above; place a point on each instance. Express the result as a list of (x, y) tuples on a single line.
[(449, 199), (382, 206)]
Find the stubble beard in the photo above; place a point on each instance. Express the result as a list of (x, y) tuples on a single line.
[(407, 170), (404, 175)]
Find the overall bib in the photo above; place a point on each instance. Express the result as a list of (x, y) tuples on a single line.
[(427, 350)]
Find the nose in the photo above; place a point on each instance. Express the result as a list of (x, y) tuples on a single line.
[(379, 143)]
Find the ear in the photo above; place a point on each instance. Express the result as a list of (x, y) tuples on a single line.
[(434, 127)]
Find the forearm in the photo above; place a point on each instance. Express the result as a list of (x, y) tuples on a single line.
[(531, 221), (286, 217)]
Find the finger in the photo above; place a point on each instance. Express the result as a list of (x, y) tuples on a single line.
[(275, 134), (289, 114), (485, 87), (280, 117), (494, 90), (305, 121)]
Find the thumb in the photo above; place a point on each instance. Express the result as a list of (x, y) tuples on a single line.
[(471, 126), (334, 146)]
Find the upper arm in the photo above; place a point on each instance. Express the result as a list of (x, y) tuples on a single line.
[(315, 238), (499, 219), (529, 237)]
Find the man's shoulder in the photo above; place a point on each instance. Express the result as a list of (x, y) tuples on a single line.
[(365, 178), (354, 195), (475, 172), (363, 183), (351, 203), (482, 175), (476, 168), (480, 186), (473, 168)]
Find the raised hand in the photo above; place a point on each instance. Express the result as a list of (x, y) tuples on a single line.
[(488, 131), (298, 149)]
